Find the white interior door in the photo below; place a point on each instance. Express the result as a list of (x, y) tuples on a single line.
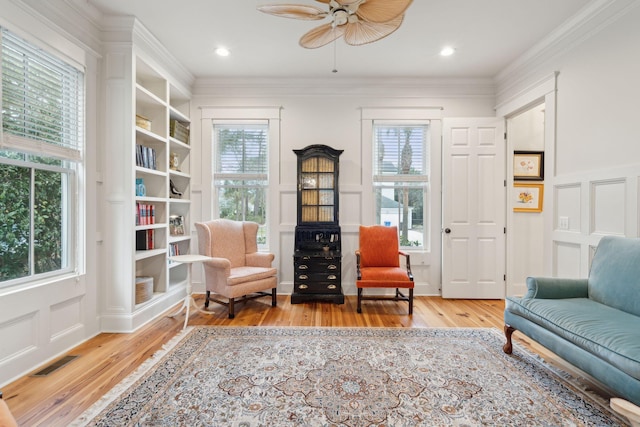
[(473, 208)]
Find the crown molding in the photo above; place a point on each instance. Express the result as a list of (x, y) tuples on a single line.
[(595, 16), (59, 17), (347, 87), (128, 29)]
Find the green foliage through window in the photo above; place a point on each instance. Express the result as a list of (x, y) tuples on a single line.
[(401, 178), (42, 115), (241, 173)]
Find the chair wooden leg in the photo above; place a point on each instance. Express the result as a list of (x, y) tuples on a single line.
[(410, 301), (359, 300), (206, 301), (231, 308), (274, 298)]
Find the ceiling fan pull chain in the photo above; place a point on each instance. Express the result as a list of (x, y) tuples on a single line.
[(335, 67)]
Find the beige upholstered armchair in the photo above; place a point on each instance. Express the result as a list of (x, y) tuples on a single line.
[(237, 269)]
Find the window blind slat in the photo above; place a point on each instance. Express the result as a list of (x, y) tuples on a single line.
[(242, 150), (400, 150), (42, 97)]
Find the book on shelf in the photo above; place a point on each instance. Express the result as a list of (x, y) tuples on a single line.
[(145, 214), (174, 249), (146, 157), (145, 240)]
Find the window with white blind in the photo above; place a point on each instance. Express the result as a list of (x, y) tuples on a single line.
[(40, 156), (240, 172), (401, 179)]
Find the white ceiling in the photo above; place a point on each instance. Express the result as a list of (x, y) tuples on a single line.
[(487, 34)]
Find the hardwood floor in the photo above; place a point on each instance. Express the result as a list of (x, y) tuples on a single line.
[(60, 397)]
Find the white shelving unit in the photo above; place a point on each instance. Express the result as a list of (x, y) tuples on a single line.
[(141, 104)]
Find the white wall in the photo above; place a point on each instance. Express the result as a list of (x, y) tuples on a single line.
[(594, 181), (41, 321), (329, 112), (598, 94)]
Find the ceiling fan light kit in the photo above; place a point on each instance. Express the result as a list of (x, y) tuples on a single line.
[(359, 21)]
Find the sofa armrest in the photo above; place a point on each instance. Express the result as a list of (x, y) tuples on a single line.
[(556, 288), (260, 259)]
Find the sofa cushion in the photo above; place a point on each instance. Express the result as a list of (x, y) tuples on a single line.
[(607, 333), (614, 278)]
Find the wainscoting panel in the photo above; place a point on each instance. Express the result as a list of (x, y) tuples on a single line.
[(607, 197), (288, 210), (349, 200), (19, 337), (588, 206), (567, 256), (568, 201), (285, 265), (65, 316)]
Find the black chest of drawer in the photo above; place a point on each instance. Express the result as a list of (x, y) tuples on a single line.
[(317, 275)]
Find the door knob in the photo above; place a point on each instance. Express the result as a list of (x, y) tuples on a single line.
[(447, 230)]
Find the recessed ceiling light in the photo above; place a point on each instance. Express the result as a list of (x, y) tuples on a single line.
[(447, 51), (222, 51)]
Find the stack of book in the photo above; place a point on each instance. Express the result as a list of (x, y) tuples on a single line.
[(145, 214), (145, 157), (174, 249)]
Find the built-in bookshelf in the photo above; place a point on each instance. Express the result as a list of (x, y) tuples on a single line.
[(148, 182), (163, 155)]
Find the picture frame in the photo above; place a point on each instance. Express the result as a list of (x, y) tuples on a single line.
[(527, 197), (176, 225), (528, 165)]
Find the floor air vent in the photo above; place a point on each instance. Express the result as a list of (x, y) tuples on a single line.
[(54, 366)]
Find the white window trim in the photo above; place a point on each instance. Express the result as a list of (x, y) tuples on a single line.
[(394, 116), (209, 116), (76, 57)]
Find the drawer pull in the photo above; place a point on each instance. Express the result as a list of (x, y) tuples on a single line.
[(306, 257), (303, 267), (303, 277), (331, 267), (331, 287), (303, 287), (332, 277)]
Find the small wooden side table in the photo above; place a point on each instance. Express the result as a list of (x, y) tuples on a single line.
[(189, 259)]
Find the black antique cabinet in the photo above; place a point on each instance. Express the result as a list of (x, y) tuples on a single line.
[(317, 258)]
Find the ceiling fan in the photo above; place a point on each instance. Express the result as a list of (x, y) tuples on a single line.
[(359, 21)]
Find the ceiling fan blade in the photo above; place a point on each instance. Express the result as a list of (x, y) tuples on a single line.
[(295, 11), (382, 10), (362, 32), (321, 36)]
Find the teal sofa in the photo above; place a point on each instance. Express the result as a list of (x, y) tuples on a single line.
[(592, 323)]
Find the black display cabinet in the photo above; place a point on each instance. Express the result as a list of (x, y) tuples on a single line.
[(317, 258)]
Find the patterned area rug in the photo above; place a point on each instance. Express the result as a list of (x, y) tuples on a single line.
[(264, 376)]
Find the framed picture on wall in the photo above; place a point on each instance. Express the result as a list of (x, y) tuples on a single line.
[(527, 197), (528, 165)]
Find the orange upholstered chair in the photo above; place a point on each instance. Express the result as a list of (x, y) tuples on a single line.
[(237, 269), (378, 265)]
